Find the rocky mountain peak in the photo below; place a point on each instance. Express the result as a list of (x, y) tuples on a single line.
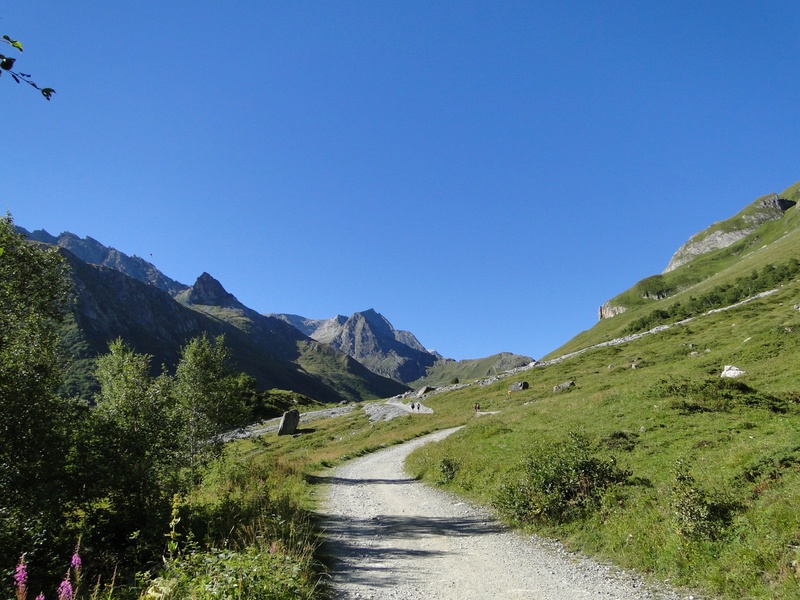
[(377, 322), (209, 292)]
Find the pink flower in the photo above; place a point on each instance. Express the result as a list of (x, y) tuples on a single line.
[(21, 578), (76, 561), (40, 596), (21, 573), (65, 589)]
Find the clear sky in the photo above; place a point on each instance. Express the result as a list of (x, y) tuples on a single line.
[(483, 174)]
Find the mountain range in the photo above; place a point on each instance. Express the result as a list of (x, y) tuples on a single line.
[(339, 359)]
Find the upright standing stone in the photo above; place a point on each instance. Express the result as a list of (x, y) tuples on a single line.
[(289, 422)]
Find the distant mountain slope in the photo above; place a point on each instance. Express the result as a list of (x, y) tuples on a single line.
[(447, 370), (372, 340), (117, 296), (91, 251)]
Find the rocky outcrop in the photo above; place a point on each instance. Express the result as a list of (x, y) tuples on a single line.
[(607, 310), (561, 387), (726, 233), (731, 371)]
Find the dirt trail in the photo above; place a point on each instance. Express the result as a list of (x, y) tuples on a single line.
[(394, 537)]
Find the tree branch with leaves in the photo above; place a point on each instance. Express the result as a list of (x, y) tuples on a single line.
[(7, 65)]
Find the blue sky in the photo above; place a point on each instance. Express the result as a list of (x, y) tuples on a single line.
[(484, 174)]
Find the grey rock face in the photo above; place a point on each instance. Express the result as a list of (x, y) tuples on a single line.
[(289, 422), (767, 208), (607, 310)]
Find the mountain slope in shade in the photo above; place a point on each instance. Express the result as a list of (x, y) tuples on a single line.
[(117, 296), (91, 251), (109, 304)]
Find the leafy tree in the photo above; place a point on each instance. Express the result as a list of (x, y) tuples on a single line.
[(134, 449), (33, 425), (211, 396), (7, 65)]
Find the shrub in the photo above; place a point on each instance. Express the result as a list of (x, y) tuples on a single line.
[(696, 513), (559, 484), (446, 470)]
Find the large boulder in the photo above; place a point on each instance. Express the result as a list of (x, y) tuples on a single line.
[(289, 422), (518, 386), (425, 390), (731, 371), (563, 386)]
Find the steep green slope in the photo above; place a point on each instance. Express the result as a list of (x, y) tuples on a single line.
[(710, 466), (774, 242), (737, 439)]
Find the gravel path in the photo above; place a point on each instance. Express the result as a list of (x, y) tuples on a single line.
[(395, 538)]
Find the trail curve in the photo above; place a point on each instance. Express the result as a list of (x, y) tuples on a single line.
[(393, 537)]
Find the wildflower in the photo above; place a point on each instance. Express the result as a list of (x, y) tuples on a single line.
[(76, 563), (21, 578), (65, 589), (40, 596)]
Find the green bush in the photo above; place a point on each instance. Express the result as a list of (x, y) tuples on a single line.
[(446, 470), (558, 484), (697, 514)]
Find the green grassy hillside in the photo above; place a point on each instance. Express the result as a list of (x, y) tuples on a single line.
[(773, 243), (652, 459)]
